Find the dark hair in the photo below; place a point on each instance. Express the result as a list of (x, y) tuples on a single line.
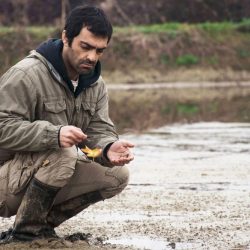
[(91, 17)]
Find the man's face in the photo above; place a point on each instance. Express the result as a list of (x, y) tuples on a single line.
[(84, 52)]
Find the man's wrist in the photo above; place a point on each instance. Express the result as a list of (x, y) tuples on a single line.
[(59, 142), (105, 151)]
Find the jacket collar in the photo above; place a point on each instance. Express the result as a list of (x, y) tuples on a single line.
[(51, 50)]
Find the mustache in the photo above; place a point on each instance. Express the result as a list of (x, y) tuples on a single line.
[(88, 62)]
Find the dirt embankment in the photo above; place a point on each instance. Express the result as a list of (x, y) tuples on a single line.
[(137, 110), (182, 54), (161, 53)]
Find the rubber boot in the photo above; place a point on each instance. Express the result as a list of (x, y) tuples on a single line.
[(5, 235), (31, 218), (64, 211)]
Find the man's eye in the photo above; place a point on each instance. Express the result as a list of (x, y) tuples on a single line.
[(99, 51), (85, 47)]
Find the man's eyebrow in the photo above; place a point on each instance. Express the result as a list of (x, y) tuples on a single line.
[(91, 46)]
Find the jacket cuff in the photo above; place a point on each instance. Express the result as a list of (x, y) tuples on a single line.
[(51, 137), (58, 137), (105, 151)]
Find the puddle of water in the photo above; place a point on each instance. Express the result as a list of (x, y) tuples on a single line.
[(144, 242), (204, 148), (206, 186), (121, 217), (199, 137), (219, 186)]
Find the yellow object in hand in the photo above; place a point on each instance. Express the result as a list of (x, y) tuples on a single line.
[(93, 153)]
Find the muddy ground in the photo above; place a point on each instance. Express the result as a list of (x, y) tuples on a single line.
[(189, 189)]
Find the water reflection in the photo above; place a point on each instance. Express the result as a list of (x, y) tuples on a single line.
[(204, 145), (214, 137)]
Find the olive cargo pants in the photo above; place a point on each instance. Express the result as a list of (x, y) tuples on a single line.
[(64, 168)]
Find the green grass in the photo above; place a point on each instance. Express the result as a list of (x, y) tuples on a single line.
[(154, 28), (210, 27), (187, 108), (217, 27), (40, 32), (187, 60), (243, 53), (6, 30), (166, 109), (170, 27), (244, 26), (165, 59), (222, 31), (212, 60)]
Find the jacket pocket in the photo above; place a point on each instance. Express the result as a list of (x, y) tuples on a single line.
[(21, 170), (3, 190), (55, 112), (55, 106), (89, 108), (87, 113)]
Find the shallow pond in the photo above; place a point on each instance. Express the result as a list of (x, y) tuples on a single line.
[(198, 145)]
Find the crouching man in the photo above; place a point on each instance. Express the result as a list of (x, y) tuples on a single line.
[(52, 103)]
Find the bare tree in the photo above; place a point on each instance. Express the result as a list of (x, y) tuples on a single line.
[(65, 6), (108, 5), (20, 14)]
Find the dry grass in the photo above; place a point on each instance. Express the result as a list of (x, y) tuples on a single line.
[(170, 52)]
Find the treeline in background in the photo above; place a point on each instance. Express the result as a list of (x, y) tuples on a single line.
[(122, 13)]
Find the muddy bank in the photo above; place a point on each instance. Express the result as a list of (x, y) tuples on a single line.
[(157, 53), (140, 107), (189, 189)]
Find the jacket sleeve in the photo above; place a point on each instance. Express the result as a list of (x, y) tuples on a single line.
[(19, 129), (101, 131)]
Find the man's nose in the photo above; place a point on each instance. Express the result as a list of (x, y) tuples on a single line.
[(92, 55)]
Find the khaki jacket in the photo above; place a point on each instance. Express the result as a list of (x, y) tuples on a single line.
[(35, 102)]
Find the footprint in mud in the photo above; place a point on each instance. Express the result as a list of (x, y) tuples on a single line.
[(82, 237), (78, 236), (51, 244)]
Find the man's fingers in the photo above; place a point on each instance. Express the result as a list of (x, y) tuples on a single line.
[(66, 144), (71, 135), (122, 160), (128, 144), (127, 156), (71, 139), (79, 134)]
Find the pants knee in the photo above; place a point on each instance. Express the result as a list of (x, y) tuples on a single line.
[(123, 176), (58, 167), (120, 179)]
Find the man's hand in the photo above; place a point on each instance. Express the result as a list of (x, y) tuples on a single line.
[(119, 153), (70, 136)]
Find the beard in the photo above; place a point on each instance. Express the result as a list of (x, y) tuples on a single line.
[(86, 66)]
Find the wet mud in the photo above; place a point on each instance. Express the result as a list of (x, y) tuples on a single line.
[(189, 189)]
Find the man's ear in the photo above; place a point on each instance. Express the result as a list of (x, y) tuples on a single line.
[(65, 39)]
